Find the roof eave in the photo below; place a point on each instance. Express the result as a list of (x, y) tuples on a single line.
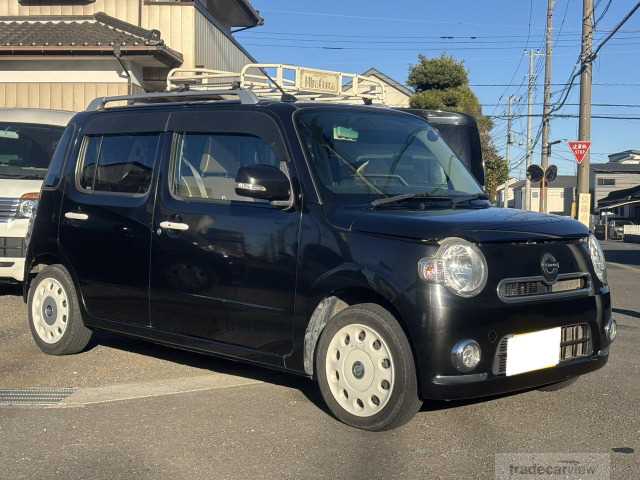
[(166, 55)]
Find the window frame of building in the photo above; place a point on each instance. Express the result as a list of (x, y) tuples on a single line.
[(606, 182)]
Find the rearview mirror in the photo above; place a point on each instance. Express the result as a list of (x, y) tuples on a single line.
[(263, 182)]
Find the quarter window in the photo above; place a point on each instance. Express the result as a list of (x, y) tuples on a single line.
[(118, 163), (206, 165)]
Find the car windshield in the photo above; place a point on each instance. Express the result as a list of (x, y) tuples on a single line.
[(26, 149), (359, 155)]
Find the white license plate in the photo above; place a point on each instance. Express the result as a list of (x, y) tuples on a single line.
[(533, 351)]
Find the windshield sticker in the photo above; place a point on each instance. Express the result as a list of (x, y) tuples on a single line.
[(9, 134), (345, 134)]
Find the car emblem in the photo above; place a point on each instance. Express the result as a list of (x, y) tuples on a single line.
[(550, 267)]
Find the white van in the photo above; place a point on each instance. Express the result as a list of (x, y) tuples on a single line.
[(28, 138)]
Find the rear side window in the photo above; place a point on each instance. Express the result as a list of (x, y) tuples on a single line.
[(206, 165), (118, 163), (57, 161)]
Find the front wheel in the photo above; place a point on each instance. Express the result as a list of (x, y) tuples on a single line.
[(365, 369), (55, 318)]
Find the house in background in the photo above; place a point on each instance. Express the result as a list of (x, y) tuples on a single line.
[(396, 94), (504, 193), (560, 195), (61, 54), (621, 172), (623, 204)]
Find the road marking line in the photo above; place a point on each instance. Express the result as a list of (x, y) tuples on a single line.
[(133, 391), (626, 267)]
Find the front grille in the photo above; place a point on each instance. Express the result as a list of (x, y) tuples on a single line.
[(8, 208), (12, 247), (537, 288), (575, 342)]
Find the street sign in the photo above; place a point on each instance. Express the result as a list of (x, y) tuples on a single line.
[(579, 149)]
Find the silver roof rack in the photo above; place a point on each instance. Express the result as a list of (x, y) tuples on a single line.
[(273, 80), (245, 96)]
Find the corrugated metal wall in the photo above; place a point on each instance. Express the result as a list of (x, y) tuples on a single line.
[(57, 96), (176, 25), (126, 10), (214, 50)]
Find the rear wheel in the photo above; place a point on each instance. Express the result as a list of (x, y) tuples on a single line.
[(365, 369), (54, 313)]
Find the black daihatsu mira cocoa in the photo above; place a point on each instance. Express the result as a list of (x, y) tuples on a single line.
[(344, 243)]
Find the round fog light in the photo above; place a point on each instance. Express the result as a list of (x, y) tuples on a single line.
[(466, 355), (612, 330)]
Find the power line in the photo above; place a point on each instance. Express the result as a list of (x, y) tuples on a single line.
[(571, 115), (621, 105)]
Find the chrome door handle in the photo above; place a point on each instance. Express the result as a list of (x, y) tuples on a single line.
[(181, 227), (76, 216)]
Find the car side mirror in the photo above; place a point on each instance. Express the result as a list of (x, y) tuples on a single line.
[(263, 182)]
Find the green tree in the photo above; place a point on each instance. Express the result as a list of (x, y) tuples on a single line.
[(443, 84)]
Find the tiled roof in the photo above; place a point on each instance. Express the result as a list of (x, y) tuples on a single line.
[(614, 167), (78, 34), (624, 194)]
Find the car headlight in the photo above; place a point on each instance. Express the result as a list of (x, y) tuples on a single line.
[(459, 265), (597, 258), (27, 205)]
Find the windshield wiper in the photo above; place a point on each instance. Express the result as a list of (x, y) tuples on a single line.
[(408, 196), (455, 200), (468, 198)]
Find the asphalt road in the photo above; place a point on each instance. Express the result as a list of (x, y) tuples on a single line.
[(155, 413)]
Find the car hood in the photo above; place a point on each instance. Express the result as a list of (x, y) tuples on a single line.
[(478, 225), (15, 188)]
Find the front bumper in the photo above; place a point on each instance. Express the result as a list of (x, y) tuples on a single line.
[(447, 325), (13, 250), (11, 269), (485, 384)]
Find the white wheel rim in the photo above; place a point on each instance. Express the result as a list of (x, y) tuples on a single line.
[(360, 370), (50, 310)]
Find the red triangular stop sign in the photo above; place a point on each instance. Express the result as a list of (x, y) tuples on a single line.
[(580, 149)]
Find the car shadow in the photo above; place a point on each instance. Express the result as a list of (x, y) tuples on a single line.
[(628, 313), (10, 290), (213, 364)]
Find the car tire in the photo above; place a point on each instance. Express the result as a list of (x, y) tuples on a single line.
[(54, 314), (365, 369)]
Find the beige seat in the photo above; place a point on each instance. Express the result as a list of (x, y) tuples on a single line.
[(218, 167)]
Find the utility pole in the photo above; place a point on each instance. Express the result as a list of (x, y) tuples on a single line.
[(546, 115), (532, 83), (584, 125), (505, 190)]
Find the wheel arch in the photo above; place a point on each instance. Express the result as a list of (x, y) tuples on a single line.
[(38, 263), (333, 303)]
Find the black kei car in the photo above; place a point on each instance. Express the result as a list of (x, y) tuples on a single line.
[(343, 243)]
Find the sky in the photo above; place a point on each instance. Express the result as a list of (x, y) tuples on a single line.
[(490, 37)]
